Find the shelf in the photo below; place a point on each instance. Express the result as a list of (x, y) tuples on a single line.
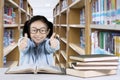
[(9, 48), (77, 26), (64, 10), (64, 40), (22, 10), (105, 27), (62, 65), (10, 25), (63, 54), (77, 48), (21, 25), (10, 64), (57, 55), (64, 25), (57, 25), (11, 3), (77, 4)]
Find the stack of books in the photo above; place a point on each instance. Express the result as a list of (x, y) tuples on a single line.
[(93, 65)]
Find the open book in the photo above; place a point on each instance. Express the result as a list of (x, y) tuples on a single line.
[(35, 69)]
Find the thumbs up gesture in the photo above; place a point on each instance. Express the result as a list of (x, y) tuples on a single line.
[(23, 42), (53, 41)]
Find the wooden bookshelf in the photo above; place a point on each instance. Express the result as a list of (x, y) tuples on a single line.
[(67, 26), (75, 23), (12, 24)]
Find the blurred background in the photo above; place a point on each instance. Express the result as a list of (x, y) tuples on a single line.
[(43, 7)]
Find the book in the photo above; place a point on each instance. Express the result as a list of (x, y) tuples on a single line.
[(95, 67), (35, 69), (89, 73), (94, 57), (97, 63)]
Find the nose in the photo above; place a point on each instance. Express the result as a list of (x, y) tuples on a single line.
[(38, 32)]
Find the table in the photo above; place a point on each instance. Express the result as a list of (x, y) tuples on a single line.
[(51, 76)]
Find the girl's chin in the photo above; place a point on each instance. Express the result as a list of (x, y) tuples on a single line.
[(38, 41)]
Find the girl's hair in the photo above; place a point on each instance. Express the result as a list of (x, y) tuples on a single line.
[(25, 28), (38, 18)]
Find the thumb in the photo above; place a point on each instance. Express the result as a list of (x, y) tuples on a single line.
[(53, 36), (26, 36)]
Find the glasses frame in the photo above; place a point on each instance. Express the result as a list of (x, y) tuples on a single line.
[(40, 30)]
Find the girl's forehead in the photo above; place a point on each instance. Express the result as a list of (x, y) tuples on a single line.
[(38, 24)]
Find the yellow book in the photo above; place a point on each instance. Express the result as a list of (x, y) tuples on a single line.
[(89, 73)]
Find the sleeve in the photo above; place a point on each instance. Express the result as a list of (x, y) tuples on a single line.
[(25, 50), (49, 48)]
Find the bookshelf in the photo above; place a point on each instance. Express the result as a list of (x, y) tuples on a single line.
[(13, 14), (68, 26), (75, 21)]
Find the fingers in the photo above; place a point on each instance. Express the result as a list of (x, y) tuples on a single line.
[(23, 43), (53, 36), (25, 37)]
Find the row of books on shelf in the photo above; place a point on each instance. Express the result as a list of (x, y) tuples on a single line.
[(102, 41), (21, 3), (106, 12), (73, 0), (64, 4), (82, 16), (9, 15), (8, 37), (82, 38), (93, 65)]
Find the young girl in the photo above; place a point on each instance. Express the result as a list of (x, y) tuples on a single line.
[(39, 43)]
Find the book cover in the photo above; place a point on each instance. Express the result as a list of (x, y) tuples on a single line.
[(94, 57), (95, 67), (103, 63)]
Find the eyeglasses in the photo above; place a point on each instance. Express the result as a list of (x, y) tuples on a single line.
[(42, 30)]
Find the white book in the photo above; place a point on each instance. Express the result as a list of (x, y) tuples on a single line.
[(94, 57), (98, 63), (34, 69), (95, 67)]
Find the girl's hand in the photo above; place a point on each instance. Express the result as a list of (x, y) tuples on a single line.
[(53, 41), (23, 42)]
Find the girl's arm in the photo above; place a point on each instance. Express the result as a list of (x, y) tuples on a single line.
[(51, 49), (23, 47)]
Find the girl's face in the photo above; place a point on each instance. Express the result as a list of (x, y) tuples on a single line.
[(38, 31)]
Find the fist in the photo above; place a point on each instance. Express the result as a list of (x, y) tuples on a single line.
[(53, 41), (23, 42)]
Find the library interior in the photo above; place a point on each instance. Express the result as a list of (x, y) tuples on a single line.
[(88, 33)]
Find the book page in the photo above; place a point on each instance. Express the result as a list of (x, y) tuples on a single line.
[(22, 69), (49, 69)]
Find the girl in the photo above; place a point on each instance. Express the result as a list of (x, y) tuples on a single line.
[(39, 43)]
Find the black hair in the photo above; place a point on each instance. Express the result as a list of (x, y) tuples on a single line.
[(42, 19), (25, 28), (51, 29)]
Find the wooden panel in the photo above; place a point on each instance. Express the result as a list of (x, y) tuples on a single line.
[(14, 55), (87, 28), (74, 35), (63, 18), (1, 32), (74, 16)]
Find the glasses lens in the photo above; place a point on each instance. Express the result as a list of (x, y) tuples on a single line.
[(33, 30), (42, 30)]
